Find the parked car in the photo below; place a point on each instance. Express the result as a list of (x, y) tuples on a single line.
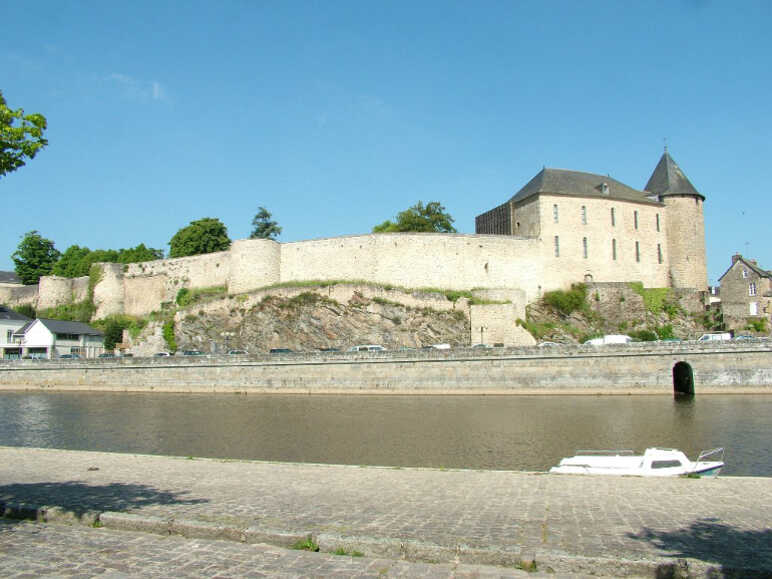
[(483, 346), (280, 351), (162, 354), (548, 344), (367, 348), (609, 339), (106, 355), (237, 352), (715, 337), (69, 357), (192, 353)]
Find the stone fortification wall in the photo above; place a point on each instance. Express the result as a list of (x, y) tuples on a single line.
[(414, 260), (109, 292), (254, 263), (494, 324), (55, 290), (19, 295), (140, 288), (646, 370)]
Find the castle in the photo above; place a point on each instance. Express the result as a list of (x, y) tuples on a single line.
[(560, 228)]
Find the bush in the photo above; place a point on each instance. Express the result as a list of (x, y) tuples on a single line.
[(567, 302), (644, 336), (184, 297), (168, 333), (757, 325)]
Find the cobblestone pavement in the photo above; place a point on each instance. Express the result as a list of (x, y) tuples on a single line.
[(569, 524), (30, 549)]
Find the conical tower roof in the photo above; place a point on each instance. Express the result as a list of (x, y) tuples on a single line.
[(668, 179)]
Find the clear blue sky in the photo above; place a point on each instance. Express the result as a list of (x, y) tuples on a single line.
[(337, 115)]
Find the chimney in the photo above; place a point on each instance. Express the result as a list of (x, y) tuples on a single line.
[(735, 257)]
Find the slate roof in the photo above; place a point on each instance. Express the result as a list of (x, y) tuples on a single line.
[(9, 314), (755, 268), (9, 277), (668, 179), (578, 184), (65, 327)]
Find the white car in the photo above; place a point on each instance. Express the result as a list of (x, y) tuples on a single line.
[(609, 339)]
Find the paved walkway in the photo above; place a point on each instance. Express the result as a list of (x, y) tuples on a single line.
[(567, 524)]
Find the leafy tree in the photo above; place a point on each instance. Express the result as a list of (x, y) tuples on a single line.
[(206, 235), (35, 256), (431, 217), (21, 136), (264, 228), (139, 253), (70, 262), (113, 334)]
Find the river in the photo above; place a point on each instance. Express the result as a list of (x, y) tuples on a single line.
[(479, 432)]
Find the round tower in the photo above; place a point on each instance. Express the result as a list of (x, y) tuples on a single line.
[(685, 224)]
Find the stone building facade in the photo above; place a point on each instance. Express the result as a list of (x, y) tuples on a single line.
[(746, 294), (596, 228)]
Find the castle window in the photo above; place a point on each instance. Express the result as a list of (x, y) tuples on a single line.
[(752, 289), (659, 253), (637, 251), (635, 219), (657, 221), (584, 247), (584, 215), (614, 249), (745, 273), (555, 212), (613, 218), (557, 246), (753, 309)]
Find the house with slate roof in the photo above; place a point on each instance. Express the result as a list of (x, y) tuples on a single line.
[(596, 228), (10, 323), (46, 338), (746, 293)]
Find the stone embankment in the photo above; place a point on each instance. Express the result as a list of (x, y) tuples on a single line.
[(645, 368), (564, 524)]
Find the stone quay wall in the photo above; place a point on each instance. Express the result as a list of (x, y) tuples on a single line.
[(642, 369)]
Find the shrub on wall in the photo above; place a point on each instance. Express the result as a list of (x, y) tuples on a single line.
[(168, 333), (567, 302)]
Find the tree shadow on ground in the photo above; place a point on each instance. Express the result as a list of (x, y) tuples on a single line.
[(735, 552), (80, 498)]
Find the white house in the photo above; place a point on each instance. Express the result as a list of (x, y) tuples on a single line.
[(10, 323), (55, 338)]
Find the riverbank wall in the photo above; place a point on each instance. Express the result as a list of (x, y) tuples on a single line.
[(631, 369)]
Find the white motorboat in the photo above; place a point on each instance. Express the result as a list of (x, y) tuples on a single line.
[(653, 462)]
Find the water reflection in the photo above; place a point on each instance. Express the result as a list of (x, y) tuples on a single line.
[(497, 432)]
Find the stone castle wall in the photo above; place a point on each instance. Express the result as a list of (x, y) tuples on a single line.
[(601, 237), (409, 260), (686, 239)]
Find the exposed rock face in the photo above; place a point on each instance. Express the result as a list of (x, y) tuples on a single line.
[(615, 308), (310, 320)]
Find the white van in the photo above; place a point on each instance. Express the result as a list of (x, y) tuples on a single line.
[(609, 339), (367, 348), (715, 337)]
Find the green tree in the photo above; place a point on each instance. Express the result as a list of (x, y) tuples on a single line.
[(431, 217), (34, 256), (139, 253), (21, 137), (206, 235), (113, 333), (70, 263), (263, 227)]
